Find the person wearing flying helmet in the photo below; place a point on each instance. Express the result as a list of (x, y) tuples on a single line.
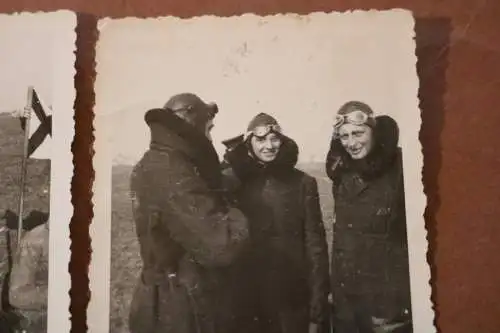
[(188, 232), (370, 270), (281, 281)]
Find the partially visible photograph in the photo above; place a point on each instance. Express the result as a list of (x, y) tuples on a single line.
[(25, 186), (259, 174), (34, 100)]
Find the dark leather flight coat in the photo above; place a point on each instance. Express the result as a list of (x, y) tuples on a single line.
[(185, 227), (283, 277), (370, 267)]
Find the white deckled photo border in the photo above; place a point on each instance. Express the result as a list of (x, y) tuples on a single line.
[(59, 30), (405, 104)]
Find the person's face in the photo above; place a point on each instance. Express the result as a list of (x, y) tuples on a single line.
[(356, 139), (208, 129), (266, 148)]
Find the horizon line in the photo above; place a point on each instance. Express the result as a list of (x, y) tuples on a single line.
[(132, 164)]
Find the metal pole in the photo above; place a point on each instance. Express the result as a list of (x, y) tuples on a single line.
[(24, 165)]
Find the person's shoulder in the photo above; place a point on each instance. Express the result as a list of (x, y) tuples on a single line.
[(304, 177), (308, 178), (398, 158), (165, 162), (151, 158), (399, 152)]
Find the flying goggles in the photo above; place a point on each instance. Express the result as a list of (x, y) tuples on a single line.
[(355, 118), (263, 130)]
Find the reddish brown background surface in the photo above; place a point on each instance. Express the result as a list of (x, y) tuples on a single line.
[(459, 68)]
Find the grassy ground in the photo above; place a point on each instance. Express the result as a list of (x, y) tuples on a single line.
[(125, 261), (38, 173)]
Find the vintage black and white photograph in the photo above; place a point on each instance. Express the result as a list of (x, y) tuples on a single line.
[(259, 174), (36, 131)]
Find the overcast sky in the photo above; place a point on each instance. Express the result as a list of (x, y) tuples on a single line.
[(300, 70), (26, 59)]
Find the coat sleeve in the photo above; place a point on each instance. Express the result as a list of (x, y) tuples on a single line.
[(210, 231), (317, 252), (398, 221)]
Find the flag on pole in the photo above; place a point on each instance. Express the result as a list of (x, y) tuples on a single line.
[(39, 127), (36, 130)]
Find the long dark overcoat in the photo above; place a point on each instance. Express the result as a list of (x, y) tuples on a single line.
[(283, 278), (370, 271), (184, 227)]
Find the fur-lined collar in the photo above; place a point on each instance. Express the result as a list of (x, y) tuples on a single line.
[(383, 155), (171, 133)]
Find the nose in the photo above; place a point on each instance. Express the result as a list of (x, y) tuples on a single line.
[(268, 144), (208, 135), (351, 142)]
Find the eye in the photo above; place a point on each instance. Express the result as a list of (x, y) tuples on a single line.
[(358, 134)]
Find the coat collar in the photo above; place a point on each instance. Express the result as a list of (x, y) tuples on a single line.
[(171, 133)]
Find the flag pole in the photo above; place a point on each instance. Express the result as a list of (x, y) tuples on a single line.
[(24, 165)]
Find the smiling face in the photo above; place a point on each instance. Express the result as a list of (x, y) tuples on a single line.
[(266, 148), (357, 140)]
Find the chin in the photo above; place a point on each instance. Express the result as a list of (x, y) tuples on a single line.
[(268, 159), (358, 156)]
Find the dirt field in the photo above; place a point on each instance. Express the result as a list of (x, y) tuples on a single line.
[(125, 261)]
